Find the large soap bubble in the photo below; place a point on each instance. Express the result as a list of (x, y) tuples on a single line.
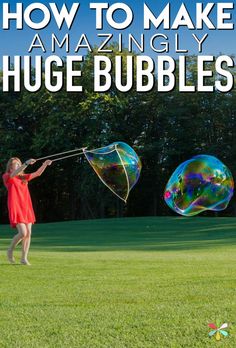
[(199, 184), (117, 165)]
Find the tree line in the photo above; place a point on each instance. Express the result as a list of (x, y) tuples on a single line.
[(165, 129)]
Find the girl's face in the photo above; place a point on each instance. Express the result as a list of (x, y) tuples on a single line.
[(14, 165)]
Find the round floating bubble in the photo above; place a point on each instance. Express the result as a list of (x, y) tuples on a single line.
[(199, 184), (117, 165)]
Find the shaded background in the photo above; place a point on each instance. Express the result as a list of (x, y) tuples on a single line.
[(165, 129)]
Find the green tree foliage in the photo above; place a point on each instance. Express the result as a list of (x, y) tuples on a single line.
[(164, 128)]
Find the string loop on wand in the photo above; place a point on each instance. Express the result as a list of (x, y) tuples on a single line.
[(61, 153), (68, 156)]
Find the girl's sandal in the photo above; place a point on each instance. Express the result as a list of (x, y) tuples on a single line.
[(25, 262)]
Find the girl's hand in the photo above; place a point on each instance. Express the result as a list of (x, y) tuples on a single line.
[(30, 161), (47, 163)]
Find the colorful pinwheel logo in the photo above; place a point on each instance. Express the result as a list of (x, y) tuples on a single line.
[(218, 331)]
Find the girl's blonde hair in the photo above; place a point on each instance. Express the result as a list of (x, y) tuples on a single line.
[(9, 163)]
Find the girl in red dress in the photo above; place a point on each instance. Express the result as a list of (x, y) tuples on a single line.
[(20, 209)]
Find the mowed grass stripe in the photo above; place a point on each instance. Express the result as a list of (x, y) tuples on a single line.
[(133, 282)]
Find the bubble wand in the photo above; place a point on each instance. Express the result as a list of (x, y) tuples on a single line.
[(117, 166)]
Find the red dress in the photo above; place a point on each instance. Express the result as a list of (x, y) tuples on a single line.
[(19, 202)]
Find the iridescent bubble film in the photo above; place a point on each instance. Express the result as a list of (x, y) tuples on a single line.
[(199, 184), (118, 166)]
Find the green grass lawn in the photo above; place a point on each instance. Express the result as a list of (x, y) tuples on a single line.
[(135, 282)]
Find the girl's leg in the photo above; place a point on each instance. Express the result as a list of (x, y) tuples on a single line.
[(22, 232), (26, 244)]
